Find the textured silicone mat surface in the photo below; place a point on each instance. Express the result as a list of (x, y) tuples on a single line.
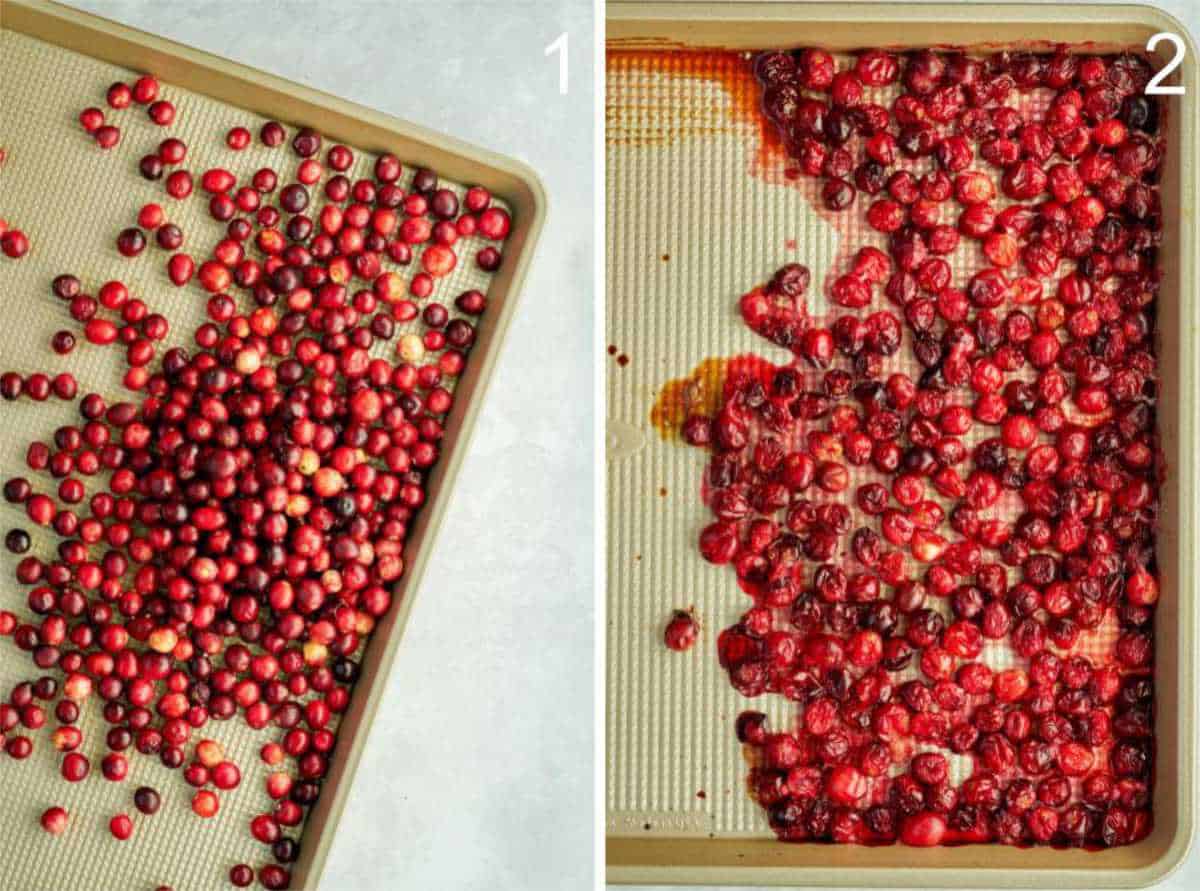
[(700, 208), (71, 198), (680, 252)]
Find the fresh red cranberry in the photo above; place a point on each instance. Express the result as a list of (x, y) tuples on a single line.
[(272, 134), (91, 119), (106, 136), (205, 804), (75, 767), (54, 820), (273, 876), (131, 242), (121, 827), (147, 800)]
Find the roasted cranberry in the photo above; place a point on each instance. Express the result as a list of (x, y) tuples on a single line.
[(681, 631)]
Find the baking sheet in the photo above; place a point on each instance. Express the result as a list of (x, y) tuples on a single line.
[(72, 198), (684, 134), (659, 831)]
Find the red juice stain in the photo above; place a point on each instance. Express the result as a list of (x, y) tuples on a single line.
[(703, 391)]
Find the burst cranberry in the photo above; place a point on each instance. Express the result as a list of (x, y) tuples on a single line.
[(681, 631), (846, 785), (923, 830)]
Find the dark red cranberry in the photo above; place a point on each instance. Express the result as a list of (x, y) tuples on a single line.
[(272, 134)]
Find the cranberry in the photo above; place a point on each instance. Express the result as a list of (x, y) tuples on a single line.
[(147, 800), (306, 143), (119, 95), (205, 803), (272, 134), (131, 242), (238, 138), (91, 119), (54, 820), (121, 827), (114, 766), (161, 112), (75, 767), (151, 167), (107, 136), (923, 830), (179, 184), (273, 876), (681, 631), (14, 243)]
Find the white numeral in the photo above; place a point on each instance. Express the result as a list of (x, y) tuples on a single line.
[(560, 46), (1153, 88)]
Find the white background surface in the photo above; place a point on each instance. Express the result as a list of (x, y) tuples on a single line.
[(478, 771)]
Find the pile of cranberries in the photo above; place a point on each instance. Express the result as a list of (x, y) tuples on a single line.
[(229, 533), (944, 507)]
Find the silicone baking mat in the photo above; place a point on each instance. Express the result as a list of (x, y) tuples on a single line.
[(72, 198), (703, 205)]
